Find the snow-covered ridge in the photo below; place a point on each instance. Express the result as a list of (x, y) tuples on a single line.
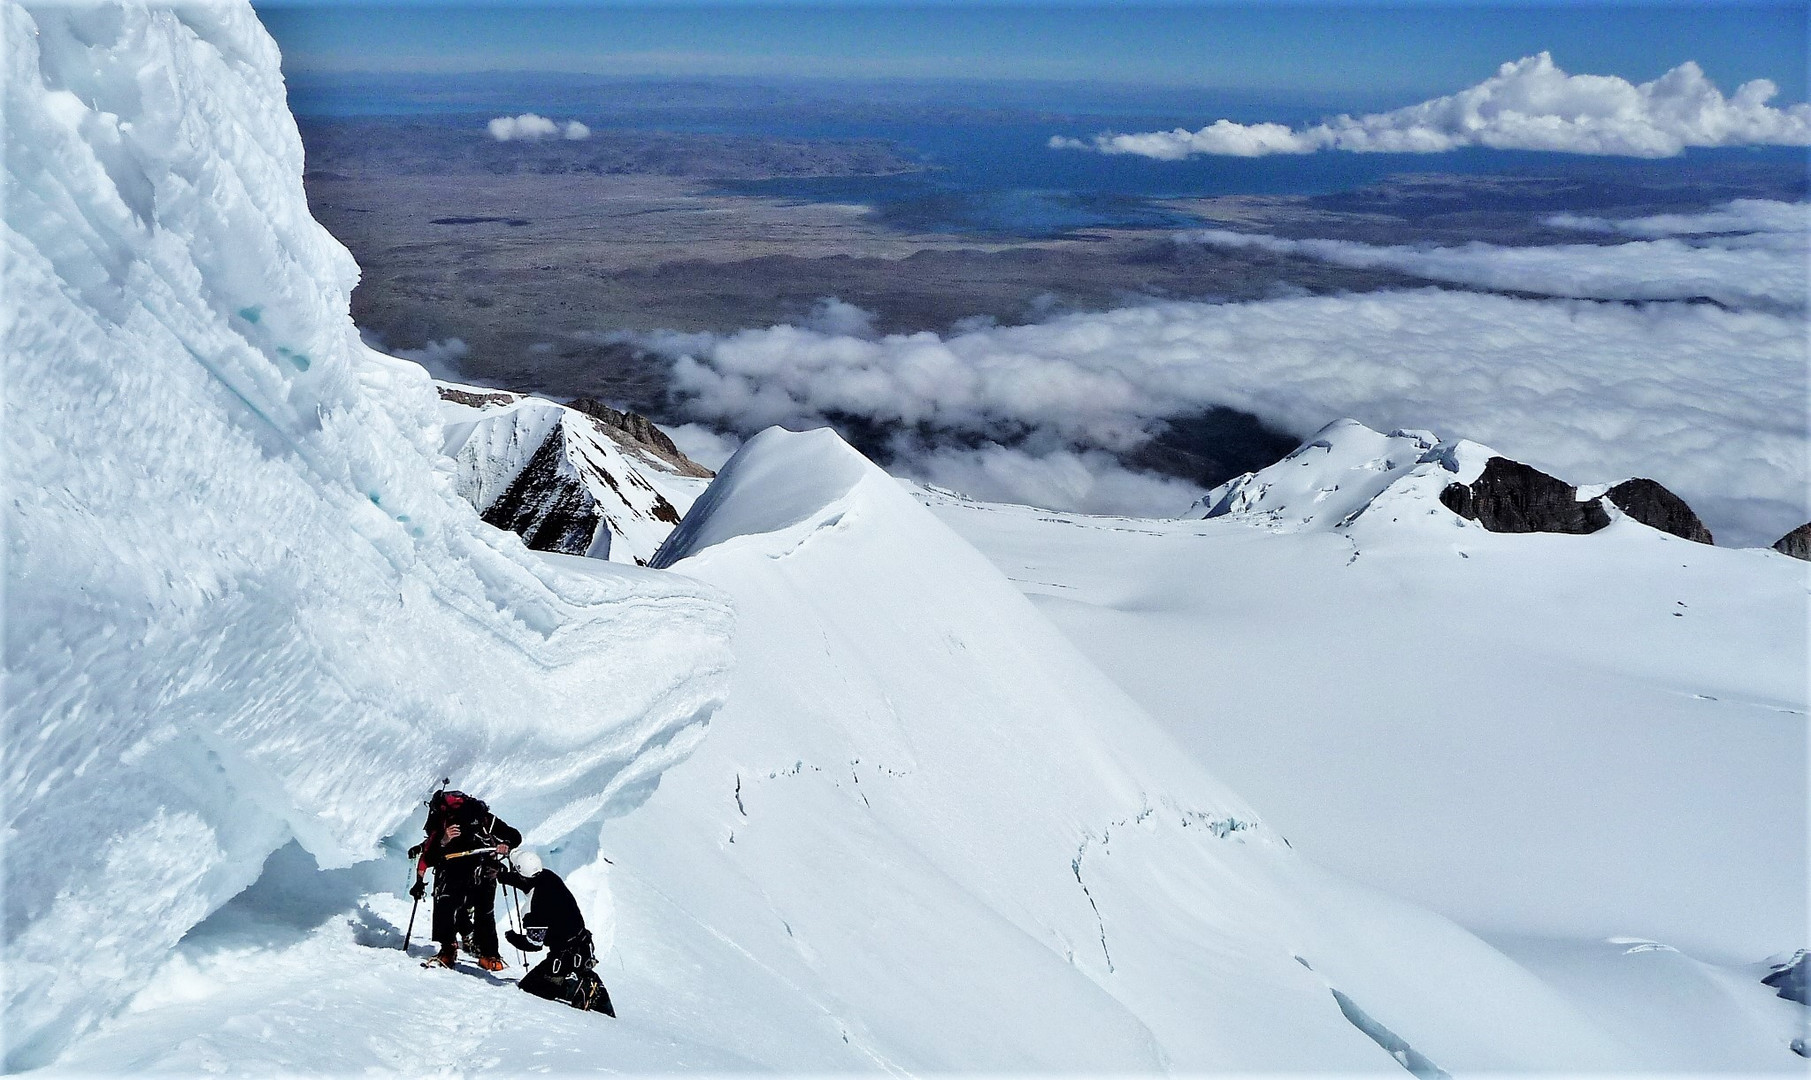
[(582, 481), (924, 808), (1346, 470), (244, 600)]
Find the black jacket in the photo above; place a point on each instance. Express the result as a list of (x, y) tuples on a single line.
[(478, 828), (553, 917)]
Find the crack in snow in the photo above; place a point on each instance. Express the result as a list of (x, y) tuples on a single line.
[(1075, 866), (1406, 1056)]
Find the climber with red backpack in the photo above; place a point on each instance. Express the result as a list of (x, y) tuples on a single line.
[(464, 844)]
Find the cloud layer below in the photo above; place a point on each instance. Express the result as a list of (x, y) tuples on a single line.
[(1530, 104), (530, 126), (1710, 402), (1752, 253)]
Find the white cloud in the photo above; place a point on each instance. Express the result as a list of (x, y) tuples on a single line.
[(1765, 267), (1751, 216), (833, 316), (1529, 104), (533, 126), (707, 446), (1088, 482), (1709, 402), (441, 358)]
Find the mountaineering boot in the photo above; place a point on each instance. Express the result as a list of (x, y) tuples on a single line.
[(444, 958), (491, 963)]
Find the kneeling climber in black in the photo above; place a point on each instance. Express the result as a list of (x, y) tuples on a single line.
[(553, 921), (463, 845)]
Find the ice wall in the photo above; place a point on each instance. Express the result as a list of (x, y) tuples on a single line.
[(243, 602)]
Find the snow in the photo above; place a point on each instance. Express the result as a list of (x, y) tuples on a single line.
[(900, 714), (244, 602), (1549, 739), (1336, 474), (923, 834)]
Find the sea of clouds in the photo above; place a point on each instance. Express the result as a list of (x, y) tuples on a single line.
[(1707, 398), (1529, 104)]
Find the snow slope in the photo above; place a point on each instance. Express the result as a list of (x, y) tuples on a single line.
[(1554, 740), (563, 478), (244, 602), (978, 853), (924, 834)]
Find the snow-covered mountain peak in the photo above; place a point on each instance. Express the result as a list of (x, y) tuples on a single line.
[(581, 481), (1336, 473), (777, 480), (1347, 472)]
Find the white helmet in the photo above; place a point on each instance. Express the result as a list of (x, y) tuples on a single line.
[(528, 864)]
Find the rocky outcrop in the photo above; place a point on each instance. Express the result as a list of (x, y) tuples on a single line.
[(1796, 543), (1511, 497), (1654, 506), (638, 429)]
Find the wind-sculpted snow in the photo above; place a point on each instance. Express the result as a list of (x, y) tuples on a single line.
[(243, 600), (926, 834)]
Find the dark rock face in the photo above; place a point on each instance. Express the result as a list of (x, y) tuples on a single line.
[(637, 429), (1796, 543), (1658, 508), (548, 508), (1511, 497), (1789, 979)]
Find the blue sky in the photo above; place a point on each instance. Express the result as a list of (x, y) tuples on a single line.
[(1371, 55)]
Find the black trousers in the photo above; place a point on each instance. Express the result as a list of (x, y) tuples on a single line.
[(464, 892), (566, 975)]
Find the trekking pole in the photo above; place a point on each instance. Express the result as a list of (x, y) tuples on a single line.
[(410, 932), (515, 910)]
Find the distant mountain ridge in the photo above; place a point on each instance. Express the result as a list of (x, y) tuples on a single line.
[(1346, 469)]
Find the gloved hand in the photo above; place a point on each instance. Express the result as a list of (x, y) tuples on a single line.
[(415, 852), (520, 942), (490, 872), (419, 889)]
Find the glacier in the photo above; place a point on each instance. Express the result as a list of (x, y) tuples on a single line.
[(1587, 749), (856, 776), (244, 602)]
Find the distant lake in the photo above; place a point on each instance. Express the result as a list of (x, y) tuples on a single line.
[(1003, 177), (988, 166)]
